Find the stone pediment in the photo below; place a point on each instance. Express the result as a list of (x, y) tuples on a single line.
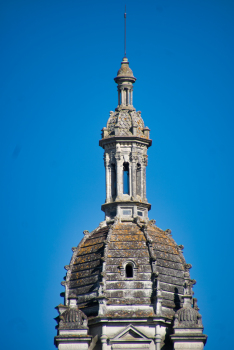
[(132, 335)]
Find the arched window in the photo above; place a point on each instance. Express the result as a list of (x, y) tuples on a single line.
[(113, 180), (129, 271), (138, 180), (125, 178)]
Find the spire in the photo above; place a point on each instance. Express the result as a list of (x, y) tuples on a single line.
[(125, 16), (125, 79)]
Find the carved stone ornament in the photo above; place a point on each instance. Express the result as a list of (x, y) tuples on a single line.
[(85, 232), (133, 157), (188, 266), (152, 222), (118, 156), (125, 120), (193, 282), (73, 318), (145, 160), (188, 317)]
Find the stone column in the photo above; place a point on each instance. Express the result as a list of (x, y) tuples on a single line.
[(127, 97), (157, 337), (144, 164), (104, 338), (122, 96), (133, 173), (119, 175), (108, 180), (188, 328)]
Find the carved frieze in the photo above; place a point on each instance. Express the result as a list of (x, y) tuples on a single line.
[(125, 121)]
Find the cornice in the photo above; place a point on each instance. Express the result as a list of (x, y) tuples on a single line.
[(120, 139)]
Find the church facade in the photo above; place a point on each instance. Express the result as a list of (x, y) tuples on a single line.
[(128, 285)]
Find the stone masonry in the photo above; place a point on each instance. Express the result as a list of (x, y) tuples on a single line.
[(128, 285)]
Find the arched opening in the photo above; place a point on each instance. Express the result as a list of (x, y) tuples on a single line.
[(125, 178), (129, 271), (113, 180), (138, 180)]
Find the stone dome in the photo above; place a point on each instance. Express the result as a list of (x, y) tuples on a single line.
[(125, 120), (125, 263), (73, 315), (187, 317), (125, 70)]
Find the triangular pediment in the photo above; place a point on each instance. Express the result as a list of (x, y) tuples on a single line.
[(130, 334)]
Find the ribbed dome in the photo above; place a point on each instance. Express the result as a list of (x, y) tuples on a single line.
[(125, 70), (187, 317), (99, 264), (72, 318), (72, 315)]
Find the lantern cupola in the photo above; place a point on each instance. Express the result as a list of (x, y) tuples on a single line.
[(125, 141)]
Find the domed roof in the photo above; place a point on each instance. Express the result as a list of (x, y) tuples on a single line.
[(98, 270), (125, 70), (125, 120), (188, 316), (72, 318)]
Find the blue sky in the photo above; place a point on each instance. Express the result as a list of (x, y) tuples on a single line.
[(58, 61)]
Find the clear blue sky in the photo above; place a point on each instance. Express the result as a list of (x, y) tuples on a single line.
[(58, 61)]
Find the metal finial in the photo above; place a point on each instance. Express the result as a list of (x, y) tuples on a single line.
[(125, 15)]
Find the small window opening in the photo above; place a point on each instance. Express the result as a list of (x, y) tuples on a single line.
[(138, 180), (113, 180), (125, 178), (129, 271), (127, 212)]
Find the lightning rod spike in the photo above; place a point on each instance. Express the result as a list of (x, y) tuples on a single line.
[(125, 15)]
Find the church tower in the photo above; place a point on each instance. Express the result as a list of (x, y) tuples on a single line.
[(127, 285)]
